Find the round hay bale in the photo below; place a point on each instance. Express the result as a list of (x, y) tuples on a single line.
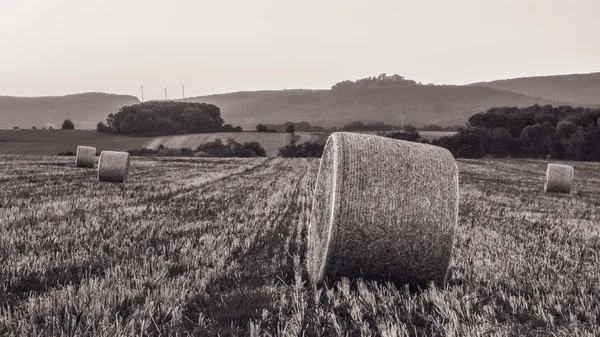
[(559, 179), (86, 156), (114, 166), (383, 210)]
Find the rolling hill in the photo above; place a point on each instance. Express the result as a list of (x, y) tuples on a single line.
[(85, 110), (577, 88), (419, 104), (368, 100)]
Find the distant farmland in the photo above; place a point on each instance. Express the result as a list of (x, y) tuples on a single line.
[(271, 142), (51, 142)]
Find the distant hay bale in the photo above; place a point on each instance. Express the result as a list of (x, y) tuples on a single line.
[(559, 179), (86, 156), (114, 166), (384, 210)]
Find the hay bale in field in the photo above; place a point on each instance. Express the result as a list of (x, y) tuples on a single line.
[(384, 210), (559, 179), (86, 156), (114, 166)]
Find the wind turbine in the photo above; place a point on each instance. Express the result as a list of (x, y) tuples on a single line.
[(183, 90), (142, 88), (165, 89)]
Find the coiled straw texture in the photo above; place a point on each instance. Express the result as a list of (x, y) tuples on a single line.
[(86, 156), (383, 210), (559, 179), (114, 166)]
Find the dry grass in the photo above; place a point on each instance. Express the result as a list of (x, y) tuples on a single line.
[(209, 246), (384, 210)]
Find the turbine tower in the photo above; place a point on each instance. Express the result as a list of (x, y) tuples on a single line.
[(142, 88), (165, 89), (183, 90)]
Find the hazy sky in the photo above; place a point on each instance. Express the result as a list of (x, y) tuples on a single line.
[(56, 47)]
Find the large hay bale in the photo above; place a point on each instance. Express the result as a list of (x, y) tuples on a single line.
[(114, 166), (86, 156), (559, 179), (384, 210)]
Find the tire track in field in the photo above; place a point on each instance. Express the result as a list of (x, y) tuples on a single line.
[(255, 268)]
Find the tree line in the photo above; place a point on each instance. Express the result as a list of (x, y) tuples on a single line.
[(166, 118), (564, 132)]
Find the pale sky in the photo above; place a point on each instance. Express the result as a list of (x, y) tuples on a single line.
[(58, 47)]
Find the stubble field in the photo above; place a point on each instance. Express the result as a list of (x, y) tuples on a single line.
[(214, 246)]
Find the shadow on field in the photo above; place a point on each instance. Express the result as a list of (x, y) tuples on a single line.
[(236, 298), (36, 282)]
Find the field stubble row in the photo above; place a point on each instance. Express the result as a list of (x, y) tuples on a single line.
[(216, 246)]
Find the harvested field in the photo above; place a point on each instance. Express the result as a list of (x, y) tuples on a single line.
[(308, 137), (216, 246), (271, 142), (51, 142)]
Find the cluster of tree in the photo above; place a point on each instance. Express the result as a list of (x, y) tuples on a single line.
[(374, 82), (68, 125), (263, 128), (304, 150), (211, 149), (232, 149), (410, 135), (435, 127), (300, 127), (66, 154), (309, 149), (377, 126), (166, 118), (354, 126), (536, 132)]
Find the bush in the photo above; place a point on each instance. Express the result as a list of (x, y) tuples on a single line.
[(68, 125), (262, 128), (411, 136), (142, 152), (304, 150), (232, 149), (230, 128), (210, 149), (66, 154)]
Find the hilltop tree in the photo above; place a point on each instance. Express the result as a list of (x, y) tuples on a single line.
[(263, 128), (164, 118), (68, 125), (290, 129)]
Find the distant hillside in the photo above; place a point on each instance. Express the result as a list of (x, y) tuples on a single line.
[(576, 88), (419, 104), (85, 110)]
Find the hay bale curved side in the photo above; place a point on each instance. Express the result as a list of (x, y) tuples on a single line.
[(86, 156), (559, 179), (384, 210), (114, 166)]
